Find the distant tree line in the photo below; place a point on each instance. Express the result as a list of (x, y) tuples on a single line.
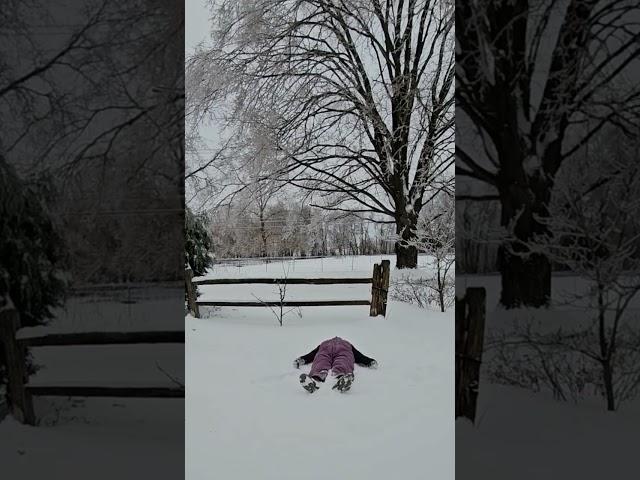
[(290, 230)]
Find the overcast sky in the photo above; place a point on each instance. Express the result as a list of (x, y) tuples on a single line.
[(196, 23), (197, 28), (197, 18)]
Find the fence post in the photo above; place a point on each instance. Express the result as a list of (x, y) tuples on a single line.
[(191, 292), (460, 329), (375, 290), (385, 275), (470, 322), (380, 288), (21, 404)]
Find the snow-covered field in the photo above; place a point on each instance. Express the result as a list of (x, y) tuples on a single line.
[(334, 267), (525, 436), (531, 436), (88, 433), (118, 310), (248, 417), (98, 439)]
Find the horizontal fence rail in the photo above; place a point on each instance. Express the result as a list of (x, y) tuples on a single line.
[(20, 392), (285, 303), (102, 338), (268, 259), (282, 281), (379, 282), (114, 391)]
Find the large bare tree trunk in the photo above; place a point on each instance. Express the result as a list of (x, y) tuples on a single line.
[(405, 247), (525, 276), (406, 256), (526, 281), (531, 134)]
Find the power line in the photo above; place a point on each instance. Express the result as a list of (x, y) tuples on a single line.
[(121, 212), (55, 25)]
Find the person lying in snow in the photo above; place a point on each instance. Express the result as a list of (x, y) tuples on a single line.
[(337, 355)]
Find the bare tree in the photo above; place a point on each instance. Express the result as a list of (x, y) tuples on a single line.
[(75, 90), (293, 229), (535, 81), (257, 178), (358, 96), (88, 89), (437, 236), (596, 232), (279, 312)]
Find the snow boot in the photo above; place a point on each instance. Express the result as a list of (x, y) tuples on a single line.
[(308, 383), (344, 383)]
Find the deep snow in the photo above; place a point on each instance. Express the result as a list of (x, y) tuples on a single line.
[(530, 436), (526, 436), (248, 417), (103, 438), (246, 414)]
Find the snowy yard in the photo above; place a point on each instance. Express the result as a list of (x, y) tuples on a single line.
[(89, 432), (248, 417), (246, 414), (98, 439), (529, 436), (525, 436)]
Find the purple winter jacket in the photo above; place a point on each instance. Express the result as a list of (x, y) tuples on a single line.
[(337, 345)]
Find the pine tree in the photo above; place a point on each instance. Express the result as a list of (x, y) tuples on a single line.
[(32, 254), (197, 243)]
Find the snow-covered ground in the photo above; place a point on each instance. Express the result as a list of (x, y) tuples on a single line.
[(526, 436), (531, 436), (88, 433), (136, 309), (98, 439), (334, 267), (248, 417), (347, 266)]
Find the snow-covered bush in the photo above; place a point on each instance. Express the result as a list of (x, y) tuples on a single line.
[(562, 362), (410, 290), (593, 229), (435, 235), (423, 291)]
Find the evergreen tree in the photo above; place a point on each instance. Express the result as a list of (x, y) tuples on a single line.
[(197, 243), (31, 254), (32, 251)]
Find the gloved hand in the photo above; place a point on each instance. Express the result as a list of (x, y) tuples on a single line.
[(373, 364), (298, 361)]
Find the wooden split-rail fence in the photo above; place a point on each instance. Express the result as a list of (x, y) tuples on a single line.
[(377, 305), (470, 322), (20, 392)]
